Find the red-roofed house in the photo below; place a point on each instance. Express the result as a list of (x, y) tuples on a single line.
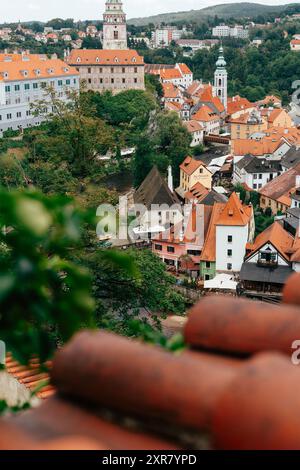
[(295, 45), (209, 120), (114, 70), (196, 130), (235, 228), (191, 172)]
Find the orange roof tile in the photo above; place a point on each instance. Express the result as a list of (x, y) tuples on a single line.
[(170, 91), (198, 191), (105, 57), (235, 213), (237, 103), (185, 70), (34, 68), (277, 236), (193, 126), (30, 376), (209, 248), (170, 74), (205, 114), (190, 165), (254, 147)]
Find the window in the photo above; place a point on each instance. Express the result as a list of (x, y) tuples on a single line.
[(123, 80), (260, 176), (135, 69), (229, 238), (35, 86), (111, 70), (68, 82), (90, 81), (158, 247), (255, 186), (194, 252), (116, 34), (207, 264), (7, 89), (255, 176), (123, 70), (60, 83), (207, 277), (229, 253), (112, 80), (28, 113), (9, 116), (171, 249), (135, 80), (89, 70), (101, 80), (19, 114), (229, 267), (27, 86), (17, 87)]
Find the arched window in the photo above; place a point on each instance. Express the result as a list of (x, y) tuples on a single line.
[(220, 81), (116, 34)]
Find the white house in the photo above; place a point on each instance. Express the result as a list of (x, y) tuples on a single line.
[(255, 172), (196, 131), (23, 81), (234, 229)]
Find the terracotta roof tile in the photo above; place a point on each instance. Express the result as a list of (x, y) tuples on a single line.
[(104, 57), (205, 114), (276, 235), (190, 165), (35, 68), (235, 213), (280, 187)]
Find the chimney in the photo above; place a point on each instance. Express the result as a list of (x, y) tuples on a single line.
[(170, 179)]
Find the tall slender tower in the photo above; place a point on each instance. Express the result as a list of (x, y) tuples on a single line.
[(221, 78), (114, 26)]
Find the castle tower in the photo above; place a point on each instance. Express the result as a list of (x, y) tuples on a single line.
[(221, 78), (114, 26)]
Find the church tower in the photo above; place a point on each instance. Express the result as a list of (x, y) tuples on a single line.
[(114, 26), (221, 78)]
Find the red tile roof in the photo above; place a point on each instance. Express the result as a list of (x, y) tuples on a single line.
[(190, 165), (205, 114), (235, 213), (34, 68), (280, 188), (31, 376), (104, 57), (277, 236)]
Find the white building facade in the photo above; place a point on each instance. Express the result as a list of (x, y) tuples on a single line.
[(24, 80), (114, 26), (221, 79)]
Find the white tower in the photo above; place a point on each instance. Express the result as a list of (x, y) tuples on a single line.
[(114, 26), (221, 78)]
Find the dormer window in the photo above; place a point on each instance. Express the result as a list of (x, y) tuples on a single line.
[(66, 69), (50, 71), (5, 74), (25, 73), (37, 72), (78, 60), (134, 59), (97, 59)]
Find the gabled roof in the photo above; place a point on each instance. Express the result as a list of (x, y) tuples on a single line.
[(205, 114), (198, 191), (154, 190), (34, 68), (254, 147), (190, 165), (235, 213), (281, 186), (105, 57), (291, 158), (277, 236), (209, 248), (193, 126), (252, 164), (184, 69), (170, 74), (237, 103), (170, 91)]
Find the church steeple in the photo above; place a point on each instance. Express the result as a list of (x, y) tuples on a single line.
[(114, 26), (221, 78)]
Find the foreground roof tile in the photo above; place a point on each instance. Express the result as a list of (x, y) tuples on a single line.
[(242, 326), (141, 380), (259, 409)]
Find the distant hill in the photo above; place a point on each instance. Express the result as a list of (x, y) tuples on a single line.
[(236, 10)]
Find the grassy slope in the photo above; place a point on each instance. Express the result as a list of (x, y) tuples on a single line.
[(237, 10)]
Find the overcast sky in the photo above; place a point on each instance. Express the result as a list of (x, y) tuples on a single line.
[(24, 10)]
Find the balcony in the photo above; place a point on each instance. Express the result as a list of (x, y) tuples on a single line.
[(267, 260)]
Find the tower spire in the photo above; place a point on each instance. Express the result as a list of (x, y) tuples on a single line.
[(114, 26), (221, 77)]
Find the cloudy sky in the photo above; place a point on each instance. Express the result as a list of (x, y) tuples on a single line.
[(24, 10)]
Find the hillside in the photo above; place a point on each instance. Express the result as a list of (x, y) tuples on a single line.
[(237, 10)]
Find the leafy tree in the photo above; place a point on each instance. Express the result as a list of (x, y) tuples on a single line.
[(43, 296)]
